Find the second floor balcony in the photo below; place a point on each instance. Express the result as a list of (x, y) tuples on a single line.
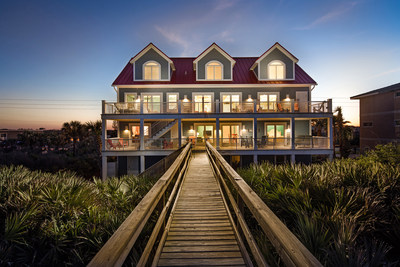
[(182, 107)]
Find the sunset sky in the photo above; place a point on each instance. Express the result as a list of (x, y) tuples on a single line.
[(59, 58)]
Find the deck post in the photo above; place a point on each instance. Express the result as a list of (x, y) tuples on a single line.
[(255, 158), (217, 132), (330, 133), (292, 158), (142, 164), (179, 132), (103, 134), (292, 134), (141, 134), (104, 168), (255, 133)]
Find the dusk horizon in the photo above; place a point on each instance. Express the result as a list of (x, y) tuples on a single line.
[(59, 59)]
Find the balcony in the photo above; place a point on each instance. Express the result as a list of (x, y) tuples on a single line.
[(182, 107), (246, 143)]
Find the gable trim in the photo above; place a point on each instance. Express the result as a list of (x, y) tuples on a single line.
[(277, 46), (205, 52)]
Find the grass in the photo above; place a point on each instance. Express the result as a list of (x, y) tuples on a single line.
[(61, 219), (346, 212)]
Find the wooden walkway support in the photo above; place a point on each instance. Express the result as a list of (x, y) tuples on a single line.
[(200, 230)]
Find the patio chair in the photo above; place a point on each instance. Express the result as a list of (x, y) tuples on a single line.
[(112, 145)]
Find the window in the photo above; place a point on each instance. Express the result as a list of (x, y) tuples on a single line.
[(397, 123), (172, 99), (152, 71), (276, 70), (214, 70), (367, 124), (3, 136), (136, 131), (202, 102), (152, 103), (230, 102), (130, 97), (397, 94), (268, 101)]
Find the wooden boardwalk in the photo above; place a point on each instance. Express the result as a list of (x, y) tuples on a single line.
[(201, 232)]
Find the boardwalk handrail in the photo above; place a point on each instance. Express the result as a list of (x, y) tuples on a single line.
[(117, 248), (289, 248)]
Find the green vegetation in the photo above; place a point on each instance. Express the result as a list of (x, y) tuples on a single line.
[(346, 212), (61, 219)]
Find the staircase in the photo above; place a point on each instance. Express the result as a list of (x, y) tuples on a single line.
[(160, 128)]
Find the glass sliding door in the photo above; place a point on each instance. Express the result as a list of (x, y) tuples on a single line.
[(152, 103), (275, 133), (230, 134)]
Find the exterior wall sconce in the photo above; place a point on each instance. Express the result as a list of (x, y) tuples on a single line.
[(185, 99), (249, 99), (126, 129), (191, 131), (287, 97)]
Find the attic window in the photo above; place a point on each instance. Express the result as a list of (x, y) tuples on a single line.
[(152, 71), (276, 70), (214, 70)]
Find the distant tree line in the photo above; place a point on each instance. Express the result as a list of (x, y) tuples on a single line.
[(76, 147)]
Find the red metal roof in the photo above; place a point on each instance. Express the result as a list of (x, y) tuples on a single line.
[(184, 74)]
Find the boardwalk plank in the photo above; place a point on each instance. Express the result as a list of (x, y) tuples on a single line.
[(200, 233)]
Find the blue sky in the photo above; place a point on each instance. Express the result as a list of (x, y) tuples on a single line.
[(59, 58)]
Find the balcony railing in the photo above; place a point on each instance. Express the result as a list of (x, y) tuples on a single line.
[(240, 143), (182, 107)]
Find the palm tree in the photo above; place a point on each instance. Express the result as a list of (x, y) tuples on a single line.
[(93, 129), (73, 131), (342, 133)]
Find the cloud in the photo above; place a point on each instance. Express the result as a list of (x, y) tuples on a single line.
[(175, 38), (224, 4), (385, 73), (224, 36), (330, 16)]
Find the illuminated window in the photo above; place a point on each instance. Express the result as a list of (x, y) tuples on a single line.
[(172, 102), (152, 71), (214, 71), (268, 101), (276, 70)]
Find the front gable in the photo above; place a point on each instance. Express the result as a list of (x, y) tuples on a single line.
[(152, 54), (276, 53), (214, 54)]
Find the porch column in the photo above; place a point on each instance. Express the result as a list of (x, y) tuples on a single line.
[(255, 158), (142, 164), (292, 126), (141, 134), (217, 132), (292, 159), (103, 168), (330, 133), (103, 134), (179, 132), (255, 133)]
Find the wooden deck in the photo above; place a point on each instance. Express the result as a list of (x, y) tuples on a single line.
[(200, 233)]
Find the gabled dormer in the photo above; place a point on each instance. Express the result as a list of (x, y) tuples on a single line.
[(275, 64), (214, 64), (151, 64)]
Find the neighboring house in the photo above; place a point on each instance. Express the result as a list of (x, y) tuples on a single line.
[(250, 108), (379, 116), (7, 134)]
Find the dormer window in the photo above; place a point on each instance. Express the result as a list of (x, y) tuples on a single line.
[(276, 70), (152, 71), (214, 70)]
